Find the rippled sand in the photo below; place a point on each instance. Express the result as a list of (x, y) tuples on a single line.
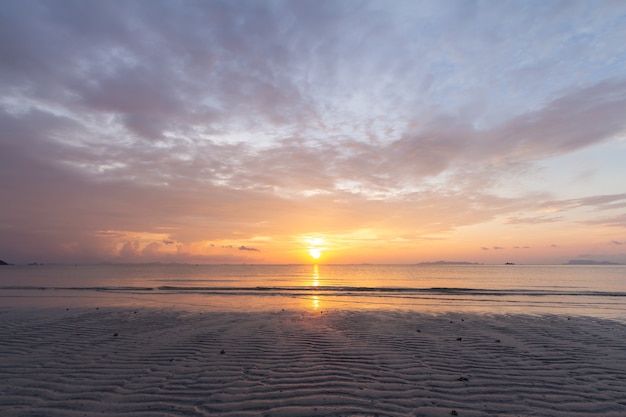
[(165, 362)]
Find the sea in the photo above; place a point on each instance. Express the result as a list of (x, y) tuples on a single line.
[(590, 290)]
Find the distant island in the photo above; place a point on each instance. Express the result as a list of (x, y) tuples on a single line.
[(448, 263), (590, 262), (2, 262)]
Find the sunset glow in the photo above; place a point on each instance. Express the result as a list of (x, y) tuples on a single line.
[(290, 132)]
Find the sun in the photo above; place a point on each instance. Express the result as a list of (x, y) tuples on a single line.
[(315, 246)]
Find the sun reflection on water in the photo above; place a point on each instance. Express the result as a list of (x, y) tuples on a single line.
[(316, 276), (316, 302)]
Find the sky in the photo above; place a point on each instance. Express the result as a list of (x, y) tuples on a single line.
[(271, 131)]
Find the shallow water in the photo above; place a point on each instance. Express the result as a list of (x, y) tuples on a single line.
[(576, 290)]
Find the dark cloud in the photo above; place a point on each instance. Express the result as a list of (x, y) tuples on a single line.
[(249, 249)]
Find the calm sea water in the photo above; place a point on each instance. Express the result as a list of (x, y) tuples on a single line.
[(575, 290)]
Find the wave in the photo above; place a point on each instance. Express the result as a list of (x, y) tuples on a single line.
[(328, 290)]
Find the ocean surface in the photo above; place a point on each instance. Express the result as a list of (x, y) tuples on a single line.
[(598, 291)]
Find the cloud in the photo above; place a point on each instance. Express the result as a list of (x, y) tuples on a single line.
[(597, 202), (222, 121), (571, 122), (615, 221), (533, 220), (249, 249)]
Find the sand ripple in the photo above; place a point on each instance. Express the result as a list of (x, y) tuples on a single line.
[(172, 363)]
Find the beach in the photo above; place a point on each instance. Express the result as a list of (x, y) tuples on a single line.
[(322, 208), (175, 362)]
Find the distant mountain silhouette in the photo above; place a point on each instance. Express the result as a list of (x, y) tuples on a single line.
[(590, 262), (2, 262), (448, 263)]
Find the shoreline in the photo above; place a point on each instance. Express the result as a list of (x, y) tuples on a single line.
[(608, 308), (163, 361)]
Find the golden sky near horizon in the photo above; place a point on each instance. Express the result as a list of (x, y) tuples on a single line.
[(312, 131)]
